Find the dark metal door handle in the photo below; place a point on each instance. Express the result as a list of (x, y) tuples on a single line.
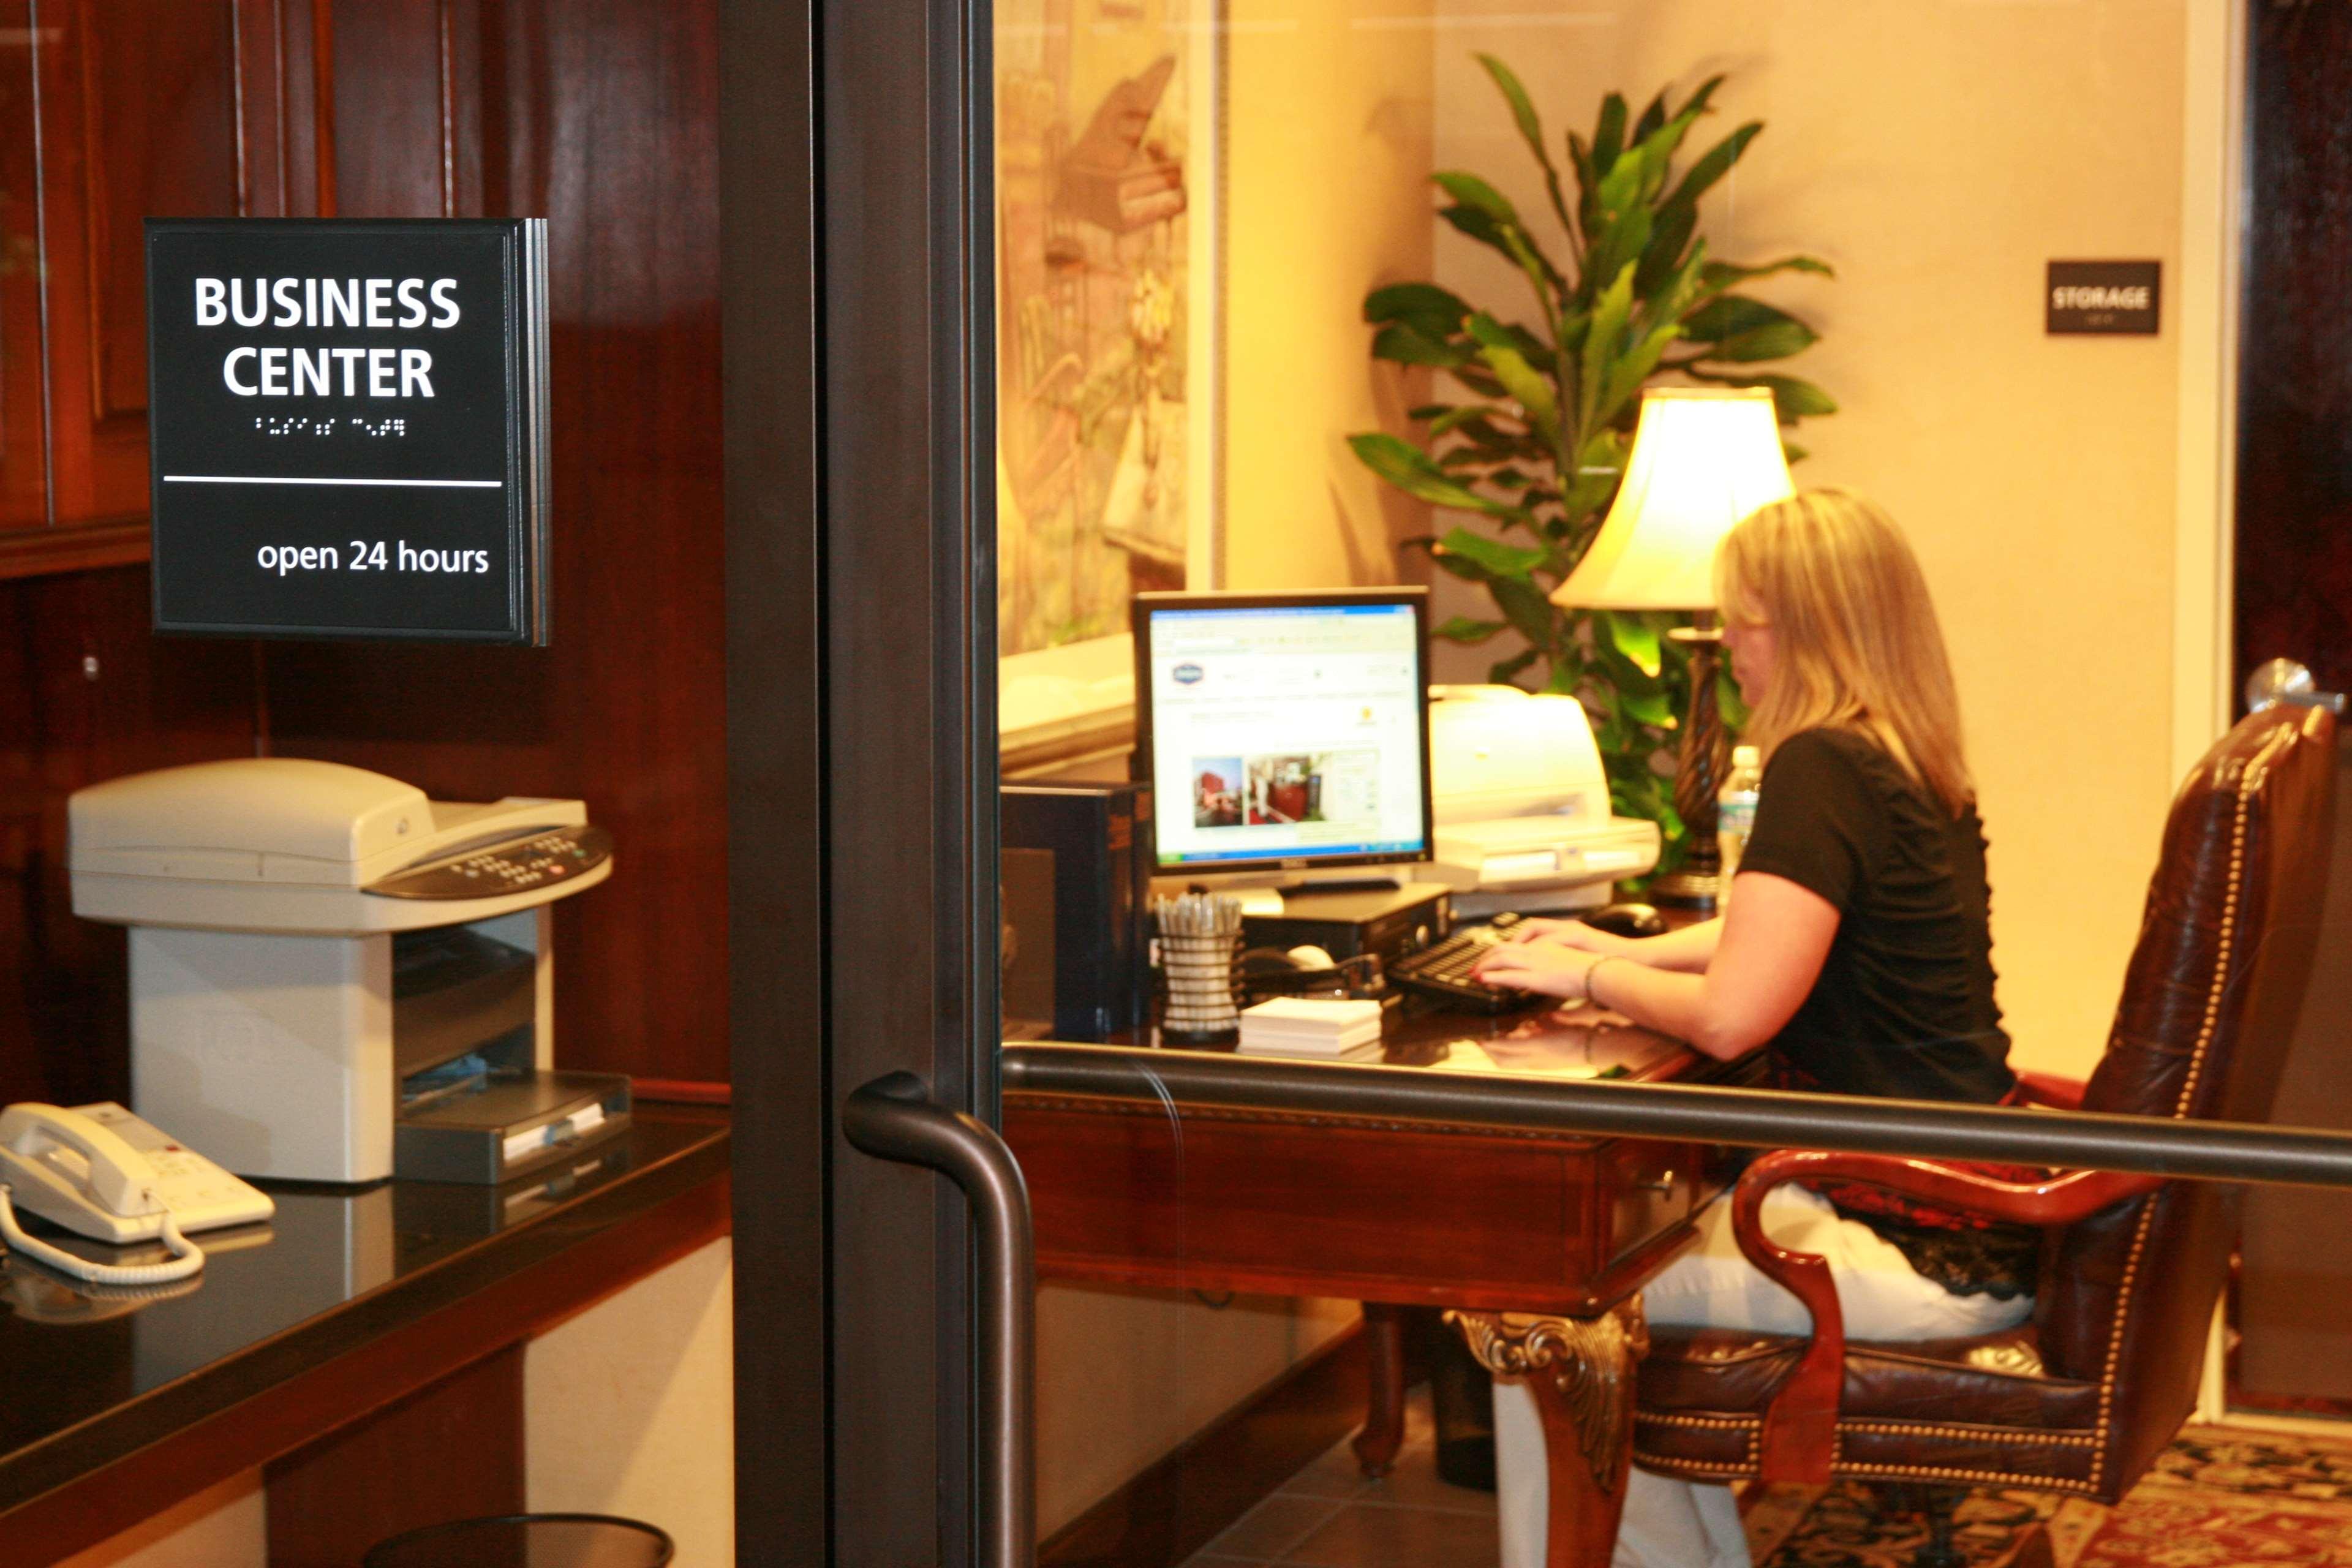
[(895, 1118)]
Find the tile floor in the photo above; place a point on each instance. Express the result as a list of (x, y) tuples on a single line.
[(1329, 1516)]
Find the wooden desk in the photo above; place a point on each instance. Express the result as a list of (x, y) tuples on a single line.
[(1539, 1243)]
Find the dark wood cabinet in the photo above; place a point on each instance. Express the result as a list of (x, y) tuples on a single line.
[(111, 111)]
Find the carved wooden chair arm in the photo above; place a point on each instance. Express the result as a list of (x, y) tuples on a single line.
[(1799, 1425)]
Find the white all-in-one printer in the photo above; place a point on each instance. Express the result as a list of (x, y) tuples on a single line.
[(332, 975)]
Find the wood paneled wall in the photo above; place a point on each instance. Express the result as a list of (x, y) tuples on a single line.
[(599, 115)]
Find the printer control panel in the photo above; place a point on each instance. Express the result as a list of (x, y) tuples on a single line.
[(516, 867)]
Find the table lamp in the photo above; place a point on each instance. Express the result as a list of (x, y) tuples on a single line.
[(1702, 458)]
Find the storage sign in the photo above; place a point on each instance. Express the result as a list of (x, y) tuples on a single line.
[(2103, 296), (348, 427)]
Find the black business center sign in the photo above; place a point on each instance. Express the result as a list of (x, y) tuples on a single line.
[(348, 427)]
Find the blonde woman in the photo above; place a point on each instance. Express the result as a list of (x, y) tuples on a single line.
[(1855, 953)]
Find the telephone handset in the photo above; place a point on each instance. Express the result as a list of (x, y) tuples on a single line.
[(102, 1172)]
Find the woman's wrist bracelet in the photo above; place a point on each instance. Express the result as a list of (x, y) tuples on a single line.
[(1591, 1000)]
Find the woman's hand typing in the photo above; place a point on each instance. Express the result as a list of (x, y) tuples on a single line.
[(1549, 968), (1575, 934)]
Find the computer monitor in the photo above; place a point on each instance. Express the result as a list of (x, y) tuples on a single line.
[(1284, 733)]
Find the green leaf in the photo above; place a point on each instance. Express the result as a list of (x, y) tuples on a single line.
[(1635, 638), (1473, 191), (1531, 614), (1501, 353), (1652, 117), (1626, 377), (1718, 276), (1609, 313), (1499, 673), (1468, 632), (1409, 469), (1793, 399), (1715, 163), (1670, 231), (1794, 453), (1484, 229), (1662, 140), (1620, 243), (1477, 378), (1418, 304), (1778, 340), (1620, 187), (1404, 344), (1652, 708), (1671, 299), (1727, 315), (1523, 114), (1587, 183), (1494, 556), (1444, 418), (1609, 135)]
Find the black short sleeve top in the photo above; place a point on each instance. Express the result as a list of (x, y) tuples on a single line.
[(1905, 1005)]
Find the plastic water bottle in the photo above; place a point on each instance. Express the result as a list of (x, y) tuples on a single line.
[(1734, 808)]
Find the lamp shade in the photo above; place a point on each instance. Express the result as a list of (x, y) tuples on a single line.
[(1702, 458)]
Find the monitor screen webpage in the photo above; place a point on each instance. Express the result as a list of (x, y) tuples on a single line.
[(1284, 733)]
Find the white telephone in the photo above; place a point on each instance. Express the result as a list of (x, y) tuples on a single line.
[(102, 1172)]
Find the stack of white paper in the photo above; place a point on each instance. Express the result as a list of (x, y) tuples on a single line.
[(1294, 1026)]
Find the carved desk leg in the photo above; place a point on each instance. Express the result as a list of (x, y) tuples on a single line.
[(1384, 1433), (1580, 1370)]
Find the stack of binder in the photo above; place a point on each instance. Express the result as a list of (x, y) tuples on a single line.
[(1327, 1031)]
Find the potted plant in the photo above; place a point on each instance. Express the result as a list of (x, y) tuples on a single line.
[(1537, 440)]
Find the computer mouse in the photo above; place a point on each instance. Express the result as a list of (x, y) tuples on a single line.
[(1626, 919)]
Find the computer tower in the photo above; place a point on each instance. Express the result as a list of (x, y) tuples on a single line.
[(1094, 924)]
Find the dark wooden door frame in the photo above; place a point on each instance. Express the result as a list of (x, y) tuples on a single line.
[(857, 289)]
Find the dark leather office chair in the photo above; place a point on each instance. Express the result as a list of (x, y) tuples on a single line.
[(2082, 1397)]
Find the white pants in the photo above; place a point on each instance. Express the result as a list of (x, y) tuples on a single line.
[(1681, 1524)]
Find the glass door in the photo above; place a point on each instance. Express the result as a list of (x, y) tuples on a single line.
[(1038, 305)]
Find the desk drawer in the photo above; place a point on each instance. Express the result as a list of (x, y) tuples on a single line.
[(1646, 1187)]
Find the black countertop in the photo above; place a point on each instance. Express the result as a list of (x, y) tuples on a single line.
[(94, 1372)]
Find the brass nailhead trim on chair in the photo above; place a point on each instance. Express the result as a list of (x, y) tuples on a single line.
[(2249, 782), (1971, 1433)]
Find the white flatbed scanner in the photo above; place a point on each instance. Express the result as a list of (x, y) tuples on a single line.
[(1522, 806)]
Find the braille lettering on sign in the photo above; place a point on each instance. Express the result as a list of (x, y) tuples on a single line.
[(348, 427), (2104, 297)]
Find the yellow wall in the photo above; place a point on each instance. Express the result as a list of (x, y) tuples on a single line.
[(1938, 152), (1327, 197)]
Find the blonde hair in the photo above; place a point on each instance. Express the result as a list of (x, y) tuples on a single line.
[(1855, 639)]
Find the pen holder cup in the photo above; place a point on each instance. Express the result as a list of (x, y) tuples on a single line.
[(1199, 972)]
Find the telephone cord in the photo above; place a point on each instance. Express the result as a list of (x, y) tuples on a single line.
[(187, 1257)]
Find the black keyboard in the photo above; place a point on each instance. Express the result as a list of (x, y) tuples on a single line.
[(1443, 970)]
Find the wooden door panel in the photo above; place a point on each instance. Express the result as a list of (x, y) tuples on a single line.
[(139, 118), (24, 446), (159, 122)]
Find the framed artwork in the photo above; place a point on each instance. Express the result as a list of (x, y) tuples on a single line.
[(1110, 288)]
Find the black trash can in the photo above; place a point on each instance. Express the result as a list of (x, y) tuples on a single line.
[(527, 1541)]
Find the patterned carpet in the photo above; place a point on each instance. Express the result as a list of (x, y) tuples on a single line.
[(2220, 1498)]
